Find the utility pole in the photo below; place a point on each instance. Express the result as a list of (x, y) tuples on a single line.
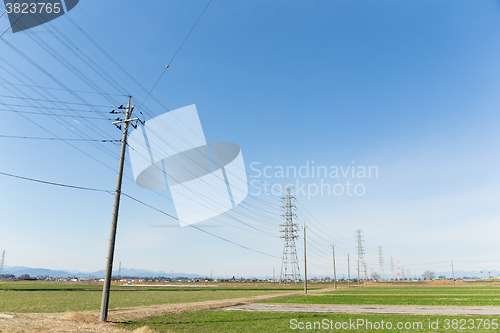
[(211, 275), (334, 271), (305, 262), (358, 273), (452, 272), (348, 272), (2, 262), (274, 280), (114, 221), (120, 271)]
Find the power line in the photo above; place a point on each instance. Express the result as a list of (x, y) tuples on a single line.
[(56, 139), (62, 102), (55, 114), (55, 184), (182, 44), (136, 200), (60, 89)]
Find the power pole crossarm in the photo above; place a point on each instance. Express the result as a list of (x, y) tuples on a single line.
[(114, 221)]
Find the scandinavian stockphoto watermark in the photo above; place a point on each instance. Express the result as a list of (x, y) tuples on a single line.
[(428, 325), (26, 14), (311, 180)]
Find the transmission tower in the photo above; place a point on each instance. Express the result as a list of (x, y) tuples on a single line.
[(381, 263), (392, 268), (290, 262), (2, 262), (360, 251)]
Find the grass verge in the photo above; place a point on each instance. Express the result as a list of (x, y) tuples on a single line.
[(470, 300), (230, 321), (85, 300)]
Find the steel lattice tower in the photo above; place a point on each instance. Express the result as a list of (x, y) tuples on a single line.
[(289, 262), (381, 263), (392, 268), (360, 252)]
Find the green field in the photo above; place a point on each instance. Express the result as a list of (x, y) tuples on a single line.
[(229, 321), (235, 321), (457, 300), (406, 295), (487, 290), (40, 297), (47, 297)]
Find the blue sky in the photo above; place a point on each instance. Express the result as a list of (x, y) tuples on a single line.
[(409, 87)]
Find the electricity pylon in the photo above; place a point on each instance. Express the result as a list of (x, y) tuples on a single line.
[(290, 262)]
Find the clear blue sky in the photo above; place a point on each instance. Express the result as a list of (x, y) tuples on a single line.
[(411, 87)]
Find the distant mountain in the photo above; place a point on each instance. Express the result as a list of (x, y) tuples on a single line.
[(20, 270), (460, 274)]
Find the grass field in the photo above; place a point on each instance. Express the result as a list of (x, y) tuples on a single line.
[(457, 300), (23, 297), (406, 295), (228, 321), (38, 297), (473, 290)]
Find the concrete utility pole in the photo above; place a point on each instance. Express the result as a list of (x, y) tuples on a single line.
[(305, 261), (114, 221), (452, 272), (348, 272), (2, 262), (334, 271)]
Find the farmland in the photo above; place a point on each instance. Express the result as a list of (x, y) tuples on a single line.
[(46, 297), (57, 299)]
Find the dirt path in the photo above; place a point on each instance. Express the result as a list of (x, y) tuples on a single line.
[(372, 309), (89, 321)]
